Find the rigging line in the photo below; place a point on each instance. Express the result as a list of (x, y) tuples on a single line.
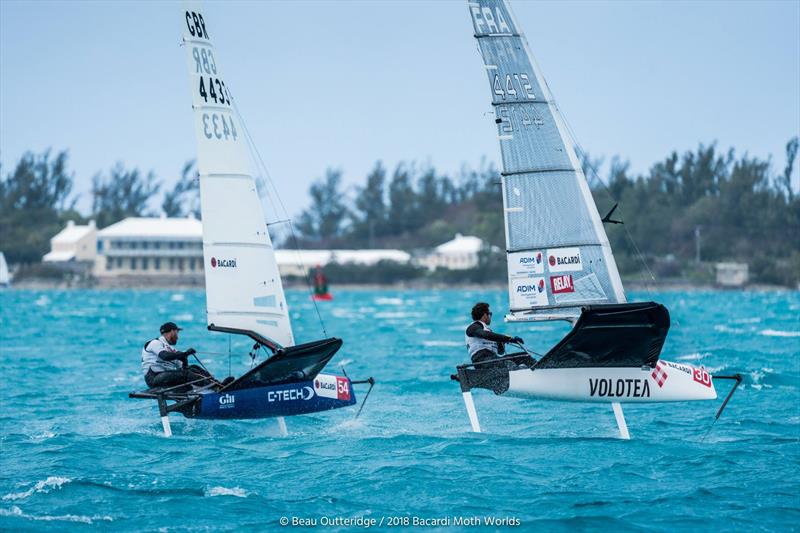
[(260, 161), (307, 278), (574, 138), (607, 190), (271, 182)]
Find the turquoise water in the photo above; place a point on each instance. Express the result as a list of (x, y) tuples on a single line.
[(77, 453)]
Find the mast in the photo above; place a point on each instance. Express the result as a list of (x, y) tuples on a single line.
[(559, 257), (244, 293)]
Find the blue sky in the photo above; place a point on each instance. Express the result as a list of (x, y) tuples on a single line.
[(343, 84)]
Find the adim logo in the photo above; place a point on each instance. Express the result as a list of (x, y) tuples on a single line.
[(526, 289)]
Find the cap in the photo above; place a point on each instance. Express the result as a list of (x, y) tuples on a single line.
[(169, 326)]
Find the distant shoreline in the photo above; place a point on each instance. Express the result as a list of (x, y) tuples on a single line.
[(663, 286)]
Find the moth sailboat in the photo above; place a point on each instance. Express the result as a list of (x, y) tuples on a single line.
[(244, 293), (560, 264)]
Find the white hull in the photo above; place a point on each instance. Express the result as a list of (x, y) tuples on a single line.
[(615, 385)]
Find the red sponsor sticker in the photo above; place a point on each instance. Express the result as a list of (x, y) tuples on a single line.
[(701, 376), (561, 284), (342, 388), (660, 374)]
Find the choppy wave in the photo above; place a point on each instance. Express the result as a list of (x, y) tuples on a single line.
[(442, 343), (15, 511), (779, 333), (692, 356), (225, 491), (388, 301), (722, 328), (51, 483)]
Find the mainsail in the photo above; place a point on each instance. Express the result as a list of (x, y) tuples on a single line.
[(559, 258), (243, 286)]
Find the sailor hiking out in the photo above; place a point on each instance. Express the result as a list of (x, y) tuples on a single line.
[(485, 345), (164, 366)]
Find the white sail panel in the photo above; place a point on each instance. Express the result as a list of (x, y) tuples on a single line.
[(4, 278), (548, 208), (243, 285)]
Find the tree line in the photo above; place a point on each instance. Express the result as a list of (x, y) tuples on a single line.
[(741, 207), (37, 199), (730, 207)]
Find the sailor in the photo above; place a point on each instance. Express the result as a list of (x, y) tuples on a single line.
[(164, 366), (484, 345)]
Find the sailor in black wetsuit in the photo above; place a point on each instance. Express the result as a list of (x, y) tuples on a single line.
[(164, 366), (484, 345)]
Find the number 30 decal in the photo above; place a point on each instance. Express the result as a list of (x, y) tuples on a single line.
[(701, 376)]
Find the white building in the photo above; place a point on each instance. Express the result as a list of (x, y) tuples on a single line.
[(73, 244), (732, 274), (299, 262), (460, 253), (150, 246)]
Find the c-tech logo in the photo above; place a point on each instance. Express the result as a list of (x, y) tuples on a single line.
[(525, 289), (531, 259), (288, 395), (223, 263), (226, 401)]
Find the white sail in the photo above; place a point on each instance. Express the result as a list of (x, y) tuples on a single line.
[(4, 277), (559, 258), (243, 285)]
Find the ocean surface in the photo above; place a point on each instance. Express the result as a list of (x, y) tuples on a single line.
[(78, 454)]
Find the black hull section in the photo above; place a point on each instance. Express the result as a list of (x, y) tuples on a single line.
[(289, 365), (617, 335)]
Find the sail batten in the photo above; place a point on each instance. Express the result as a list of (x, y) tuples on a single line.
[(244, 292), (559, 258)]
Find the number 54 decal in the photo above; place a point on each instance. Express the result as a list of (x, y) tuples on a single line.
[(342, 388), (701, 376)]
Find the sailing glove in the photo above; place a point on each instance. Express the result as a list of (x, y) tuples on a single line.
[(190, 351), (517, 340)]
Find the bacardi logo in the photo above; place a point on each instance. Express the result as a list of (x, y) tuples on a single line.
[(223, 263)]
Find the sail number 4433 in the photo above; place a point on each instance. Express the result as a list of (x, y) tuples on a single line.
[(220, 126)]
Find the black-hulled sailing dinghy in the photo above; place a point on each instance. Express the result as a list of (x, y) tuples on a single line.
[(244, 293), (560, 264)]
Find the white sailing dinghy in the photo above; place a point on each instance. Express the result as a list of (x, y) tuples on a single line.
[(244, 293), (560, 265), (5, 279)]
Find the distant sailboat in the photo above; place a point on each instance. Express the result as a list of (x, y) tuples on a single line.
[(560, 264), (321, 292), (244, 293), (5, 279)]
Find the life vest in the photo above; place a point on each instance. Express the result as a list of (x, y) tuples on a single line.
[(475, 344), (151, 360)]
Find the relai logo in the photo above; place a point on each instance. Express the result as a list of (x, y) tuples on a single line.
[(226, 401), (223, 263), (561, 284)]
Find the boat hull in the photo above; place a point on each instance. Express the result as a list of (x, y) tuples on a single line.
[(323, 393), (667, 382)]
